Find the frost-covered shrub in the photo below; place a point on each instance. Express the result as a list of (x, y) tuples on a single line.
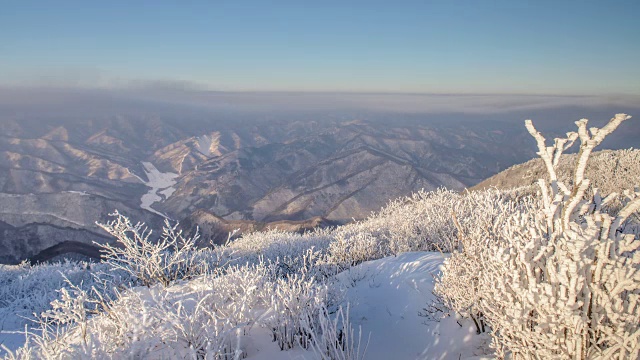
[(294, 301), (607, 170), (273, 245), (203, 318), (424, 221), (333, 337), (347, 251), (26, 289), (459, 284), (418, 222), (207, 317), (563, 281), (169, 258)]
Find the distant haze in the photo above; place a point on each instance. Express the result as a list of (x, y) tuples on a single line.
[(68, 101)]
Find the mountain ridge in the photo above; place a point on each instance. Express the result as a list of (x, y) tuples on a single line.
[(248, 174)]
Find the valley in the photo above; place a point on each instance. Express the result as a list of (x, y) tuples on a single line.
[(59, 176)]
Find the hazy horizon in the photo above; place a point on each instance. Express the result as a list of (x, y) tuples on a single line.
[(23, 99)]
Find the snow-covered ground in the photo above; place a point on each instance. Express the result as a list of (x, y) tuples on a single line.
[(77, 192), (25, 290), (161, 185), (385, 298), (11, 339)]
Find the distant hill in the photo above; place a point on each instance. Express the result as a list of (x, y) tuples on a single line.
[(608, 170), (339, 171)]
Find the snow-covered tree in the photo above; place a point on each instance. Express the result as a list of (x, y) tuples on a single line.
[(171, 257), (563, 282)]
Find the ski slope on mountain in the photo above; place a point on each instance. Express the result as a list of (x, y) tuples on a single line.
[(159, 183)]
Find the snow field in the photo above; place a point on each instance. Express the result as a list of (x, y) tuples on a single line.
[(161, 185), (386, 297)]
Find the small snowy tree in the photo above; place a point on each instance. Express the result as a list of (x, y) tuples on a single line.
[(170, 258), (564, 282)]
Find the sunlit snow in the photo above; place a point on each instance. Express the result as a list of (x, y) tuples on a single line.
[(204, 144), (385, 298), (161, 185)]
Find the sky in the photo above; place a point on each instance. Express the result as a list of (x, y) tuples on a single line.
[(438, 47)]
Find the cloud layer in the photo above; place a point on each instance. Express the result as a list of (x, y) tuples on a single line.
[(146, 96)]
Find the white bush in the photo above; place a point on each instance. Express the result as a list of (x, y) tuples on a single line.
[(347, 251), (169, 258), (274, 245), (206, 318), (562, 282), (26, 290), (198, 320), (459, 284), (294, 301), (333, 337)]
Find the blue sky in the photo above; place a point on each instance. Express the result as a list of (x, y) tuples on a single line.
[(504, 47)]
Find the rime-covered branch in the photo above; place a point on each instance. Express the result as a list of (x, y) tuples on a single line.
[(561, 281)]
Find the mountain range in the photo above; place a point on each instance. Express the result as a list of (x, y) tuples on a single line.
[(58, 176)]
